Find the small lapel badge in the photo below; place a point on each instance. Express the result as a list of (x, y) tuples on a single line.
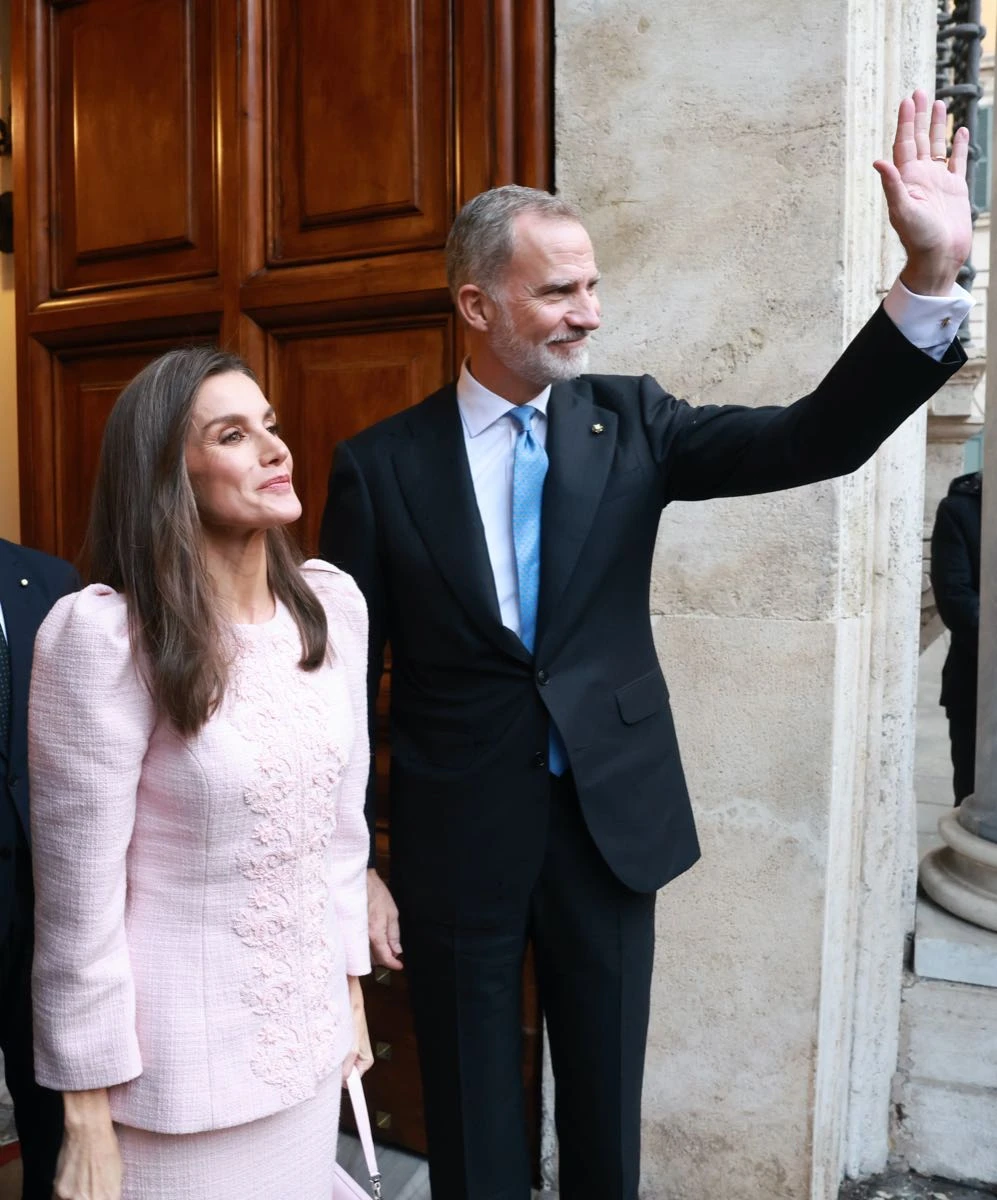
[(24, 583), (597, 428)]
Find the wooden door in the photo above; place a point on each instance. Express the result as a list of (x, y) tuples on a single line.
[(277, 176)]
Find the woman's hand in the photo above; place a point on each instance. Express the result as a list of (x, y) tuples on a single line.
[(360, 1055), (89, 1166)]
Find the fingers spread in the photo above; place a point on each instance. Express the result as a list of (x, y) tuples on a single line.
[(960, 152), (938, 129), (893, 185), (922, 121), (904, 145)]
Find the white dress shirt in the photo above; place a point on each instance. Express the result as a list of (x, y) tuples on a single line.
[(928, 322), (490, 438)]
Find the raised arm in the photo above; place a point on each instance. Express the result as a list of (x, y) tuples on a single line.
[(881, 378), (926, 196)]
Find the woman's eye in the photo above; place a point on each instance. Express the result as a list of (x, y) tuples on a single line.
[(274, 429), (234, 435)]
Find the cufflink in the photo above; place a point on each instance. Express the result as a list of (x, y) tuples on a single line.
[(24, 583), (946, 322), (597, 428)]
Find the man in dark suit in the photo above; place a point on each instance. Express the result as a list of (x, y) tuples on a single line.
[(30, 583), (955, 580), (502, 532)]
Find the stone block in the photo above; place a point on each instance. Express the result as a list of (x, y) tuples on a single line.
[(760, 556), (948, 1131), (949, 1034), (946, 1089), (947, 948), (755, 707)]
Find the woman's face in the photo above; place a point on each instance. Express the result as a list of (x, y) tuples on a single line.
[(239, 468)]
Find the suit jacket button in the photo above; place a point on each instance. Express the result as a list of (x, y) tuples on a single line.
[(542, 677), (539, 760)]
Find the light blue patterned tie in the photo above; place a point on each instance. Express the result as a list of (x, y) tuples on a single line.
[(529, 469)]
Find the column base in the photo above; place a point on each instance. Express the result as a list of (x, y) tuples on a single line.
[(961, 876)]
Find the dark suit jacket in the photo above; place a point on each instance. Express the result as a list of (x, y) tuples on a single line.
[(469, 709), (25, 606), (955, 580)]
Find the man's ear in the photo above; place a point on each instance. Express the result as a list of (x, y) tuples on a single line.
[(475, 307)]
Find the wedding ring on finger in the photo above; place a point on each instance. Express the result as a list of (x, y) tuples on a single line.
[(939, 158)]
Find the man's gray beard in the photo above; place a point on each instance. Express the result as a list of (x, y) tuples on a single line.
[(539, 365)]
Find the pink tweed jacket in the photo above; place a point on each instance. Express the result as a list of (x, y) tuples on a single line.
[(200, 901)]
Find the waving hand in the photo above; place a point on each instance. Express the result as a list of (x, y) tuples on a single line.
[(927, 197)]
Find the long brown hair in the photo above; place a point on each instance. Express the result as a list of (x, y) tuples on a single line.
[(145, 540)]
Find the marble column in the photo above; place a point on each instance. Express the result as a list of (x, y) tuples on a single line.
[(961, 876)]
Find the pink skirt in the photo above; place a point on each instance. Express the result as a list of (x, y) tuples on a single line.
[(286, 1156)]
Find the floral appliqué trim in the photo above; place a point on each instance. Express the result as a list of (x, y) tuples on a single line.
[(288, 718)]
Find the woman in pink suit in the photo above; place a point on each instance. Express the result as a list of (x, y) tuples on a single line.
[(199, 757)]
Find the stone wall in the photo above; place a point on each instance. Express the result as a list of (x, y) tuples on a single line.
[(722, 155)]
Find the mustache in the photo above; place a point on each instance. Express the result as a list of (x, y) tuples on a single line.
[(567, 339)]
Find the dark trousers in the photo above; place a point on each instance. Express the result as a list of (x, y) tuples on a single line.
[(594, 945), (37, 1111), (962, 736)]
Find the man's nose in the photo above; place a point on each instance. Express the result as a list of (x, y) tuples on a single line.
[(589, 313)]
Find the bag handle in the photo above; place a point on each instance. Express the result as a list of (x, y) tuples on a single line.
[(362, 1118)]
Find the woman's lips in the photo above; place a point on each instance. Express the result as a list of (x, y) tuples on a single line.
[(281, 484)]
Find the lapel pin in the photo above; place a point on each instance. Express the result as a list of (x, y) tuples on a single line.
[(24, 583), (597, 428)]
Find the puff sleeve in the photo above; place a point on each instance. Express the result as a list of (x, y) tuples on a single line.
[(90, 720)]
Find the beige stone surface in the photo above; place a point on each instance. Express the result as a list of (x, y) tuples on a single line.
[(945, 1095), (722, 157)]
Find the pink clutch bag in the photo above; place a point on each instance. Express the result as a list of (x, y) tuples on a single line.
[(343, 1187)]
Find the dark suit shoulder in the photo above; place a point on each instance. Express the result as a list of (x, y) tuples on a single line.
[(616, 385), (56, 576), (622, 393)]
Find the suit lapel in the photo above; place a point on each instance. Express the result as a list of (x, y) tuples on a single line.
[(581, 441), (435, 479)]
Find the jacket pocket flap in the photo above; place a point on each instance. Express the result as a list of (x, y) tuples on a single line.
[(642, 697)]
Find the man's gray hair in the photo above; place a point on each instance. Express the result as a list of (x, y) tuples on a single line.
[(480, 243)]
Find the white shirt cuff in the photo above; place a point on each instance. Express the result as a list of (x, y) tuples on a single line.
[(928, 322)]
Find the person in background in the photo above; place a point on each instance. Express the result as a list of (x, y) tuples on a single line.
[(30, 583), (955, 580), (198, 749)]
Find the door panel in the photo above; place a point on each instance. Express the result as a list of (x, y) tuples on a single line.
[(360, 109), (277, 176), (86, 387), (331, 383), (133, 142)]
